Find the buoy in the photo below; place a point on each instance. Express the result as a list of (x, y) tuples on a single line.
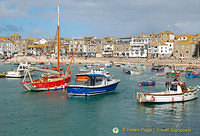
[(183, 98), (152, 98)]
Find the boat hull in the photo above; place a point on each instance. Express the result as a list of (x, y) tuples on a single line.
[(46, 86), (166, 98), (91, 90)]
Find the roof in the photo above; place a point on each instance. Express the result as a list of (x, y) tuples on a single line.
[(67, 39), (159, 41), (15, 34), (4, 37), (167, 32)]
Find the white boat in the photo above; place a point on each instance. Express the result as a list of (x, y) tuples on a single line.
[(21, 69), (108, 65), (160, 74), (134, 72), (23, 66), (175, 92), (13, 74), (84, 69), (7, 62)]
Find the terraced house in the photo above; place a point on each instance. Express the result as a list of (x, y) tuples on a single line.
[(108, 47), (92, 46), (6, 47), (184, 47), (139, 47), (121, 47)]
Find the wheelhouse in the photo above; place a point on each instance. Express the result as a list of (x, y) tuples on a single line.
[(176, 87), (90, 79)]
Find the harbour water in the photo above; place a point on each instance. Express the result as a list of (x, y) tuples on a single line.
[(54, 113)]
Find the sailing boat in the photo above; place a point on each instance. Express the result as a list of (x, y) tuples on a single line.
[(56, 81)]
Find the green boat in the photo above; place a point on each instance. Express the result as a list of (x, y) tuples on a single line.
[(173, 74)]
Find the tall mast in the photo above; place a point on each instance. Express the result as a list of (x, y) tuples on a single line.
[(58, 47)]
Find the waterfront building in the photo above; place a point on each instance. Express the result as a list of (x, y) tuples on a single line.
[(139, 47), (6, 48), (108, 47), (163, 49), (65, 43), (184, 46), (121, 47), (31, 48), (81, 50), (91, 44)]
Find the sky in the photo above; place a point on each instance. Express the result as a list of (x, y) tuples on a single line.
[(99, 18)]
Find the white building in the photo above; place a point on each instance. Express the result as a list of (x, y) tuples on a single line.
[(165, 49), (139, 47), (41, 41), (6, 47), (72, 46), (107, 49)]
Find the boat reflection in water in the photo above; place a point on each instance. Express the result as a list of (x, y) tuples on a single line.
[(168, 114)]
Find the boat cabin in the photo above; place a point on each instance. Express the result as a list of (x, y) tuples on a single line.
[(176, 87), (91, 79), (23, 66)]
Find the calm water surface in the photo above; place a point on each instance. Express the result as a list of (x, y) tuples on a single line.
[(42, 114)]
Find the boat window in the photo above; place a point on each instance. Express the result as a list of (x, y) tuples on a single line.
[(98, 80), (184, 88), (173, 87)]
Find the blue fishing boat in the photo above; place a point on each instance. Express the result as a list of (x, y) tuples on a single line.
[(157, 69), (147, 83), (191, 74), (126, 71), (92, 84)]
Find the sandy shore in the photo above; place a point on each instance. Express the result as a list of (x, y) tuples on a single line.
[(106, 60)]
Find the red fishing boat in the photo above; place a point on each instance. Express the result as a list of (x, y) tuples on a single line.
[(55, 81)]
